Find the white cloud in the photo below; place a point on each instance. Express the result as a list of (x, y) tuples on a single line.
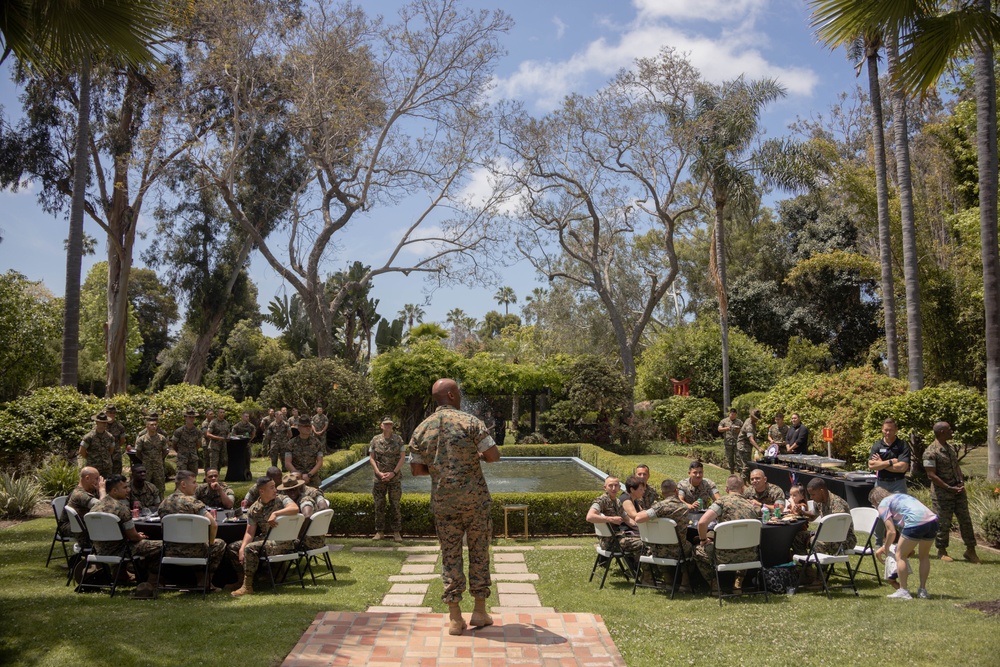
[(560, 27), (716, 11), (724, 55)]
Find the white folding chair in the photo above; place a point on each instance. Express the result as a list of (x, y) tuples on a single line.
[(58, 505), (81, 543), (287, 530), (739, 534), (319, 526), (615, 553), (184, 529), (831, 528), (661, 532), (865, 519), (104, 527)]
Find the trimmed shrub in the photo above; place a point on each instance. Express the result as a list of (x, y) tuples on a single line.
[(539, 450), (962, 407), (688, 416), (18, 496), (744, 403), (171, 404), (48, 420), (57, 476), (990, 528), (534, 438), (705, 452), (334, 463)]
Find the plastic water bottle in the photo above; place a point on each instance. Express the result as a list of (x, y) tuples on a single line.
[(701, 503), (765, 515), (777, 511)]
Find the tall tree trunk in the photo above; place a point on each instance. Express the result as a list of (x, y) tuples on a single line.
[(717, 268), (986, 146), (74, 250), (911, 270), (882, 195), (119, 270)]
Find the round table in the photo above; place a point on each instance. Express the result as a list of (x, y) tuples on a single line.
[(229, 532), (775, 538)]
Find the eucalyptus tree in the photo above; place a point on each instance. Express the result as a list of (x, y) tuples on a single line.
[(603, 178), (734, 168)]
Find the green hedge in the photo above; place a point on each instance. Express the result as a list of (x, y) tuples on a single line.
[(333, 463), (990, 528), (561, 513), (540, 450), (705, 452)]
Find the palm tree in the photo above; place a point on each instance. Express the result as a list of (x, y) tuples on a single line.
[(505, 296), (47, 36), (730, 115), (532, 305), (456, 316), (412, 314), (930, 42)]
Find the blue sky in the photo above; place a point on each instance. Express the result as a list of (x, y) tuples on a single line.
[(556, 47)]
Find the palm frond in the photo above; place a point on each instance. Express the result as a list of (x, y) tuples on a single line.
[(935, 41)]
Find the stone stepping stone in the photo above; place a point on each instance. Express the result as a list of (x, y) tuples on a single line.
[(364, 549), (505, 576), (422, 558), (560, 547), (418, 550), (514, 548), (410, 578), (402, 600), (508, 558), (400, 589), (380, 609), (510, 568), (417, 568), (336, 547), (519, 600), (511, 587)]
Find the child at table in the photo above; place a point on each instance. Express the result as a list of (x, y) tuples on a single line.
[(796, 500)]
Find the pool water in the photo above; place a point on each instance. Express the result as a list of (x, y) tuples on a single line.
[(505, 476)]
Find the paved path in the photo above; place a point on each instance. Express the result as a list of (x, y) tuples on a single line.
[(402, 631)]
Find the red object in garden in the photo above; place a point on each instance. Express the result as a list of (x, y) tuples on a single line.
[(681, 387), (827, 435)]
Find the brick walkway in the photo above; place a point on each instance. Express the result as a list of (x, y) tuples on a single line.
[(402, 631)]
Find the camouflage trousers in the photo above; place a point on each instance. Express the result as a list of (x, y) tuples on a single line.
[(744, 457), (274, 452), (216, 551), (731, 457), (116, 461), (187, 459), (671, 550), (310, 543), (251, 556), (477, 527), (947, 505), (803, 539), (157, 477), (706, 556), (214, 456), (394, 491), (148, 550)]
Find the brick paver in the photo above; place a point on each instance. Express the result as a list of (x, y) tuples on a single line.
[(421, 640)]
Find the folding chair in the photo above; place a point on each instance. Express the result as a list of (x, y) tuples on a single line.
[(287, 530), (831, 528), (81, 544), (58, 505), (104, 527), (319, 526), (739, 534), (865, 519), (662, 532), (615, 553), (184, 529)]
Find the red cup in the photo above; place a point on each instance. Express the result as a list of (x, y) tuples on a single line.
[(135, 513)]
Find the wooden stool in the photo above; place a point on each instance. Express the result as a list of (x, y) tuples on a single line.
[(507, 509)]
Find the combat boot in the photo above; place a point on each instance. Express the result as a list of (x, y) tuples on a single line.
[(943, 555), (456, 624), (378, 535), (971, 556), (397, 537), (479, 616), (245, 589)]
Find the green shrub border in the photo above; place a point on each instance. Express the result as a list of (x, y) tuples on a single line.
[(557, 513)]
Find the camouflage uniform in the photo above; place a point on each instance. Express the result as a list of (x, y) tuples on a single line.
[(149, 550), (779, 434), (275, 438), (449, 443), (303, 452), (82, 501), (730, 437), (148, 496), (178, 503), (744, 450), (257, 516), (186, 443), (318, 422), (608, 506), (386, 454), (730, 507), (706, 491), (771, 494), (672, 508), (834, 505), (151, 450), (100, 448), (310, 496), (221, 428), (945, 503), (117, 431), (205, 494), (649, 498)]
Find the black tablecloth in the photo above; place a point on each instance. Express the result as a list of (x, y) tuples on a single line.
[(239, 460), (229, 531), (775, 539), (854, 492)]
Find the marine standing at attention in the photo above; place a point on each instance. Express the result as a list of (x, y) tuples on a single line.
[(448, 446)]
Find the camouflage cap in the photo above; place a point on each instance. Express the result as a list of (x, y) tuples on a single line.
[(304, 421)]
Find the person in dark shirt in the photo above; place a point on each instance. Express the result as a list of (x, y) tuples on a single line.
[(797, 437), (890, 459)]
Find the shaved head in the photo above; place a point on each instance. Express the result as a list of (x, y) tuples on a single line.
[(446, 392)]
